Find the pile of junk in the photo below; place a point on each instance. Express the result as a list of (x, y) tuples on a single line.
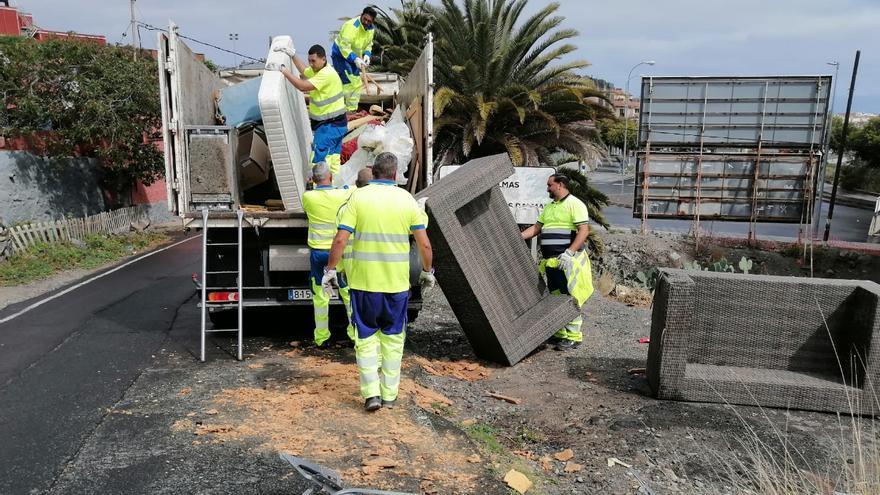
[(380, 125)]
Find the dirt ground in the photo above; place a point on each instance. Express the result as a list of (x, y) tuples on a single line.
[(582, 421)]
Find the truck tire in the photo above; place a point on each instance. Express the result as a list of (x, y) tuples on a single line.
[(227, 318)]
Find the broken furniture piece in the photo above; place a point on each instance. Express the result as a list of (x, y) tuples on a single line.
[(786, 342), (485, 268)]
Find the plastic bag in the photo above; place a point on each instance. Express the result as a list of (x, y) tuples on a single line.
[(394, 137)]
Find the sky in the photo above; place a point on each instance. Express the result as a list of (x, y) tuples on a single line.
[(683, 37)]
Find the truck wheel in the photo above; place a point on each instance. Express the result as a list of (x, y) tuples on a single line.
[(224, 319)]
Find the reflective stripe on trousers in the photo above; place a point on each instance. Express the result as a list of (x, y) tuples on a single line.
[(379, 358)]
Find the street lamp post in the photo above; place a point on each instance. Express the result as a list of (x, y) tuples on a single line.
[(824, 167), (625, 160), (233, 37)]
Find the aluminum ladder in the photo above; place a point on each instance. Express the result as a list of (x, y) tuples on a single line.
[(239, 280)]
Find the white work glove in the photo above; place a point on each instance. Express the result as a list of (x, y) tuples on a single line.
[(272, 66), (427, 279), (366, 60), (328, 281), (359, 62), (289, 51), (566, 261)]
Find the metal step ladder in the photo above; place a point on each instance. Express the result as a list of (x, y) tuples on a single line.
[(240, 275)]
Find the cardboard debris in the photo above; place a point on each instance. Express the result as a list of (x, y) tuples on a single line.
[(517, 481), (565, 455), (572, 467), (546, 463)]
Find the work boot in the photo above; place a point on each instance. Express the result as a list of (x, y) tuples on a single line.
[(567, 345), (389, 403), (553, 340), (373, 404)]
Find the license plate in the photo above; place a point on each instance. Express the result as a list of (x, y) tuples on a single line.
[(305, 295)]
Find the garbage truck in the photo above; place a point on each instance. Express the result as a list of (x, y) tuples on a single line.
[(237, 159)]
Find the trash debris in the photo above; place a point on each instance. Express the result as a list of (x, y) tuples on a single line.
[(517, 481), (505, 398), (614, 460), (565, 455), (637, 371), (572, 467), (645, 340)]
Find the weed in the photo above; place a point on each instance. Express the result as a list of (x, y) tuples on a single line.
[(486, 436), (42, 260), (442, 409)]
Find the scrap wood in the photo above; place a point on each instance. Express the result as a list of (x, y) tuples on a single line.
[(614, 460), (377, 110), (354, 133), (354, 124), (517, 481), (367, 80), (637, 371), (505, 398)]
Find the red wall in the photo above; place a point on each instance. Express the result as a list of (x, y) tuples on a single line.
[(9, 21)]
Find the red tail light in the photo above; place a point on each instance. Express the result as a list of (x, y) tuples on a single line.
[(222, 296)]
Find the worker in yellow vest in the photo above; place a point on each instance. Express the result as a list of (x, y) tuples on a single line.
[(321, 205), (563, 227), (381, 217), (351, 54), (326, 104)]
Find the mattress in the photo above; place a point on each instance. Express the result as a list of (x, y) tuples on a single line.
[(286, 122)]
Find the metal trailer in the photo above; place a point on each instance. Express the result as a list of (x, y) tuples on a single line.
[(251, 259)]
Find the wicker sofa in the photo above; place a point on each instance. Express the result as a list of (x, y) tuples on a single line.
[(485, 269), (762, 340)]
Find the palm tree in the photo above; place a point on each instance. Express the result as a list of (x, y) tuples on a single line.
[(399, 39), (500, 87)]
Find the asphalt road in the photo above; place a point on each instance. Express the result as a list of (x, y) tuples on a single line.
[(65, 363), (849, 224)]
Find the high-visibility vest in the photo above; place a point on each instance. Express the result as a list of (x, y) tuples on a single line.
[(321, 205), (354, 40), (579, 277), (326, 101), (381, 217), (559, 221)]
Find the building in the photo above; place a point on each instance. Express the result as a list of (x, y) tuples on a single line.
[(625, 106), (16, 23)]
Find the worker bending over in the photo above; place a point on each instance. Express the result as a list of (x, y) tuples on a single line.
[(326, 104), (351, 54), (321, 205), (381, 218), (563, 227)]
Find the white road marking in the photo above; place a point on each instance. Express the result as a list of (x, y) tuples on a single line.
[(96, 277)]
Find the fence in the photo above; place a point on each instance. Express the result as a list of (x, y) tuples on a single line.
[(119, 221)]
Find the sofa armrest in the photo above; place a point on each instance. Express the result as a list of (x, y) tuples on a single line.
[(671, 323)]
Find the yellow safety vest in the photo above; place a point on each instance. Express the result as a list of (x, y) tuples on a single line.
[(326, 101), (321, 205), (354, 40), (380, 218), (579, 277), (559, 221)]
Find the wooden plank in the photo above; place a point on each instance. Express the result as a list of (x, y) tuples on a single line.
[(14, 234), (50, 231)]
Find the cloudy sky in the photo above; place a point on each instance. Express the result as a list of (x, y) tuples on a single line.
[(684, 37)]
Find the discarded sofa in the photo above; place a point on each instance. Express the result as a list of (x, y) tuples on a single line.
[(485, 269), (783, 342)]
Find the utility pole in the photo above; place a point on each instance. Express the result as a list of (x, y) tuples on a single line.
[(817, 217), (233, 37), (135, 42), (842, 150)]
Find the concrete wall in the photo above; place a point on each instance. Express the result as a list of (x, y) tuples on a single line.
[(34, 188)]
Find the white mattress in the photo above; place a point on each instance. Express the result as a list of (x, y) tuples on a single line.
[(288, 133)]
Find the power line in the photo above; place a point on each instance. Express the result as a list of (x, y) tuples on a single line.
[(154, 28)]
